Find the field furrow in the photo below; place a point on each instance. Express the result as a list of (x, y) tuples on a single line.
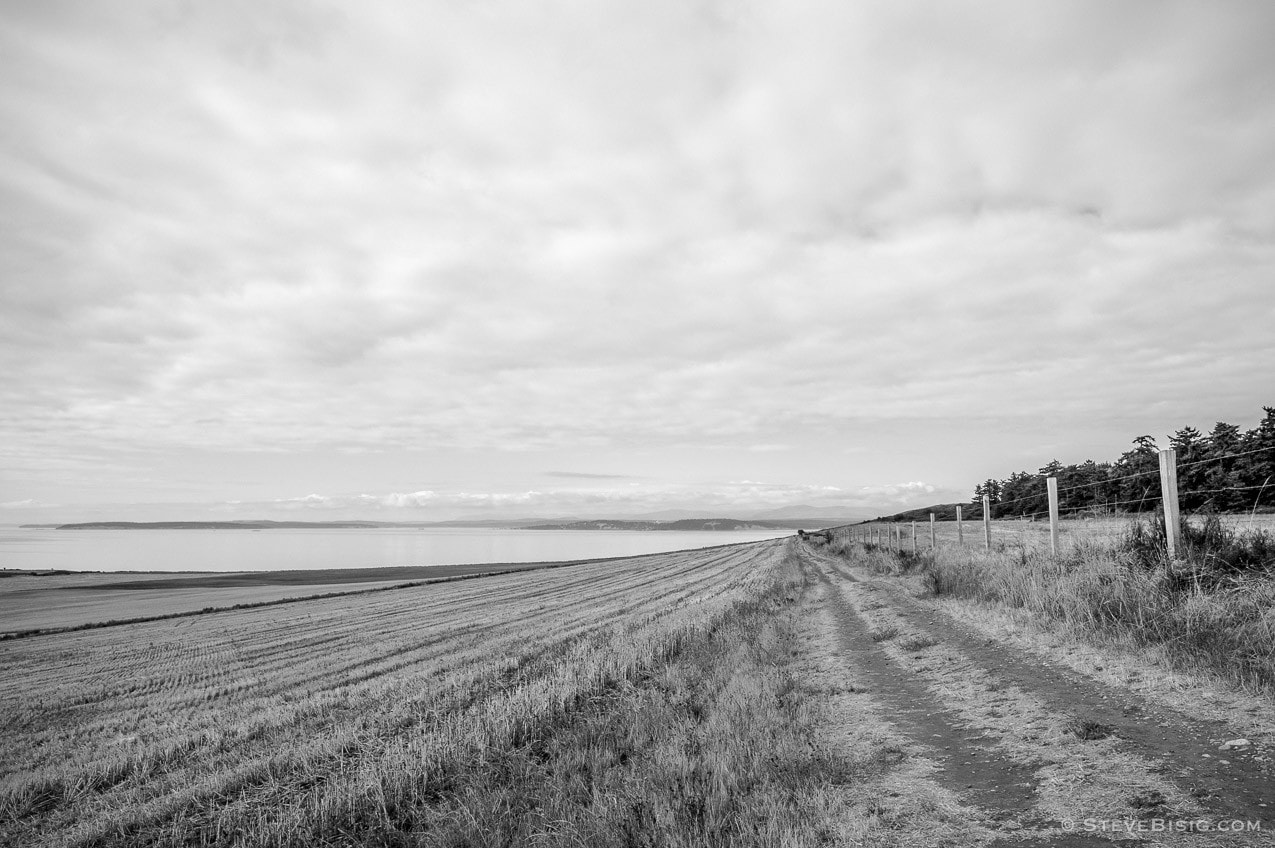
[(126, 733)]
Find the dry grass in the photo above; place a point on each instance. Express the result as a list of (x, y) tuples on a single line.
[(643, 702), (1221, 626), (1020, 534)]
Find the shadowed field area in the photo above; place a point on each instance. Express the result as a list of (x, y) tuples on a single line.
[(54, 601)]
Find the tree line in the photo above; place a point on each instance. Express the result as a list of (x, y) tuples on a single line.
[(1224, 470)]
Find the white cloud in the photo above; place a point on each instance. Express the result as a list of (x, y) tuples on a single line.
[(26, 503), (756, 229)]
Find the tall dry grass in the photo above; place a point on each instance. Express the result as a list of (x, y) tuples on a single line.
[(1213, 610)]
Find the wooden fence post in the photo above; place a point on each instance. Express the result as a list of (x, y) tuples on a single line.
[(1169, 491), (913, 537), (931, 531), (987, 522), (960, 526), (1051, 484)]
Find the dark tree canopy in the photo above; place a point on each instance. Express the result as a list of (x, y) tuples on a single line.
[(1226, 470)]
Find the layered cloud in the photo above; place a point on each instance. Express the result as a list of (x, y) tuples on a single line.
[(729, 498), (568, 226)]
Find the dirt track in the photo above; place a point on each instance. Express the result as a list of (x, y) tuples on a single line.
[(1042, 755)]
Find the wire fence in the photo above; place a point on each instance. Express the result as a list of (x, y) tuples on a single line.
[(1149, 496), (1160, 494)]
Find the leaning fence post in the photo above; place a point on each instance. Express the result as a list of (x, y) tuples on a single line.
[(931, 531), (1169, 491), (1051, 484), (987, 522), (960, 527)]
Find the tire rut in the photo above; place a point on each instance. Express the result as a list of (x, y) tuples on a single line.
[(999, 785), (1229, 785)]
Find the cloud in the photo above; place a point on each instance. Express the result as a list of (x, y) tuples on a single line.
[(26, 503), (586, 476), (742, 497), (748, 228)]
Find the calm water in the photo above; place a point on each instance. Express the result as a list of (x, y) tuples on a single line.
[(265, 550)]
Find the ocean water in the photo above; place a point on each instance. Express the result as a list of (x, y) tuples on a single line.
[(268, 550)]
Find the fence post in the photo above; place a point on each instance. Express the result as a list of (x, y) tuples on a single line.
[(1051, 484), (931, 531), (987, 522), (1169, 491), (960, 527), (913, 537)]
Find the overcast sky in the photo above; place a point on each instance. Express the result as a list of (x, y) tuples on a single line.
[(422, 259)]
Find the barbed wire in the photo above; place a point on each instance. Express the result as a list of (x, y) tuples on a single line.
[(1151, 471), (1146, 495), (1216, 491), (1226, 456)]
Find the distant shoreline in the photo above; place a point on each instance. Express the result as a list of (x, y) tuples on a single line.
[(683, 525)]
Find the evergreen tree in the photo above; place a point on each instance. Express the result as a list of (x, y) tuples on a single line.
[(1136, 476), (1225, 470), (1023, 494), (1219, 479), (1190, 446), (1256, 468)]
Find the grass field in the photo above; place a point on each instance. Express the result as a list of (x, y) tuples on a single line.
[(780, 693), (40, 602), (475, 712)]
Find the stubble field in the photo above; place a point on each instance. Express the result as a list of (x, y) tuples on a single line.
[(435, 714), (782, 693)]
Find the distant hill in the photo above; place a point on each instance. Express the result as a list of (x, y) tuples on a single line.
[(262, 524), (828, 515), (942, 512), (217, 525), (531, 524), (680, 524)]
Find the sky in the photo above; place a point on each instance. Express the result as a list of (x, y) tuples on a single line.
[(426, 260)]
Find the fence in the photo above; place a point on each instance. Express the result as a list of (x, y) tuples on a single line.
[(1170, 500)]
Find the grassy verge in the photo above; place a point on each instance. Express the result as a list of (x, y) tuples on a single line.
[(1211, 611)]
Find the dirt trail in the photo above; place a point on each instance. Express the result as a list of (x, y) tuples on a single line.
[(1049, 757)]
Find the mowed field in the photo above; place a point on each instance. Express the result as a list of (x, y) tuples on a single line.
[(344, 720), (34, 601), (781, 693)]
